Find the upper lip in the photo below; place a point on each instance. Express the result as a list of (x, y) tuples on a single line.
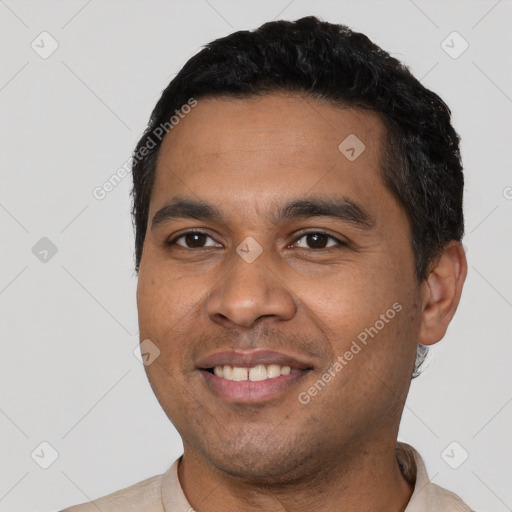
[(249, 359)]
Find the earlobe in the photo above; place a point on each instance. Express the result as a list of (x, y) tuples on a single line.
[(440, 293)]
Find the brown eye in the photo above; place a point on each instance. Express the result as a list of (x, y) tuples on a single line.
[(317, 240), (194, 240)]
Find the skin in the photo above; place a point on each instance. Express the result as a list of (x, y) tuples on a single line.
[(247, 157)]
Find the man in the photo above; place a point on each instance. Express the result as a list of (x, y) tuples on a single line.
[(298, 214)]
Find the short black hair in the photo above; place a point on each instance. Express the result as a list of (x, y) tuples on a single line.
[(421, 161)]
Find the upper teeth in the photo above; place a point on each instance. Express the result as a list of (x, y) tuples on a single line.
[(260, 372)]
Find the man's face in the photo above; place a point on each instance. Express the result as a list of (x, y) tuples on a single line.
[(326, 277)]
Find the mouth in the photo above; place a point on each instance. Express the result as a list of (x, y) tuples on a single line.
[(255, 374), (251, 377)]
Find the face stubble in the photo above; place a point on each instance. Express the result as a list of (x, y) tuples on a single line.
[(246, 156)]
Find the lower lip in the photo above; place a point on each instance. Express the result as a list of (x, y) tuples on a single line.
[(248, 391)]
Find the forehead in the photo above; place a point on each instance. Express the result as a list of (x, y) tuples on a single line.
[(247, 151)]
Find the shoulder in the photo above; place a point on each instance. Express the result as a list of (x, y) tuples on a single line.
[(144, 495), (426, 496), (448, 500)]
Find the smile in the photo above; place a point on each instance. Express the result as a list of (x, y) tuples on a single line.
[(254, 374), (250, 377)]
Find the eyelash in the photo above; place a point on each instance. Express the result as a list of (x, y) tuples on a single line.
[(302, 235)]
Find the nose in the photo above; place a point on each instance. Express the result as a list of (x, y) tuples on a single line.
[(248, 293)]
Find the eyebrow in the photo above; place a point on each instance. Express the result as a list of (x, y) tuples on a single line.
[(340, 208)]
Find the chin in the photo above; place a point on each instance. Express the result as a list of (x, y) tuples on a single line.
[(259, 459), (250, 469)]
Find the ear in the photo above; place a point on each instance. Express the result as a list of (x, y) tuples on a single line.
[(440, 293)]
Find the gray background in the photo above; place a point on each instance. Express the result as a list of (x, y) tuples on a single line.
[(68, 320)]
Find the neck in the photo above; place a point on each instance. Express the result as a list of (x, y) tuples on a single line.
[(369, 478)]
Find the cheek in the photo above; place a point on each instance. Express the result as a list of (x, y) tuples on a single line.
[(347, 301), (369, 315), (166, 304), (165, 312)]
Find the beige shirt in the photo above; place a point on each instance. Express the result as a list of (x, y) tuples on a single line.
[(163, 493)]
